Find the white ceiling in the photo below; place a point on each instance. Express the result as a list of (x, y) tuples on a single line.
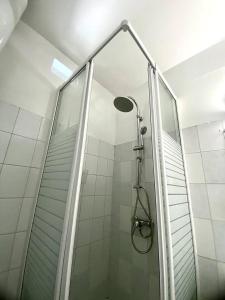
[(172, 31)]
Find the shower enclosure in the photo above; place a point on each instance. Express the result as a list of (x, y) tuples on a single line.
[(113, 217)]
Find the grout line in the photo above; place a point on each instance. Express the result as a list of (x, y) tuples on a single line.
[(23, 136), (8, 270), (22, 166), (11, 233), (212, 259)]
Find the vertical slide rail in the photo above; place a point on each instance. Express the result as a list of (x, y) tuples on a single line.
[(165, 191), (70, 220), (158, 189)]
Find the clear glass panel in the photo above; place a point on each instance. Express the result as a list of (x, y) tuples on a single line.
[(45, 239), (106, 264), (168, 112)]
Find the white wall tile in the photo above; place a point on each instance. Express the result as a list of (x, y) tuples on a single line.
[(109, 186), (97, 229), (124, 272), (27, 124), (216, 194), (6, 243), (84, 233), (195, 168), (211, 136), (32, 183), (4, 142), (190, 137), (92, 146), (204, 237), (208, 279), (99, 204), (91, 163), (107, 226), (44, 131), (8, 114), (100, 187), (18, 253), (126, 171), (9, 214), (103, 149), (214, 166), (149, 170), (221, 278), (81, 260), (38, 157), (3, 281), (102, 166), (96, 254), (86, 207), (20, 151), (13, 282), (199, 200), (12, 181), (25, 214), (125, 218), (219, 235), (110, 166), (108, 205), (89, 186)]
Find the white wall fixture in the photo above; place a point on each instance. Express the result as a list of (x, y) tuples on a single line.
[(10, 13)]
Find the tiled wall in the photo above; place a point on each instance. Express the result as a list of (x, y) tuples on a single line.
[(205, 155), (22, 143), (132, 275), (91, 256)]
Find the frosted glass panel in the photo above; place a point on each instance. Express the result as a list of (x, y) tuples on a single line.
[(183, 260), (45, 240)]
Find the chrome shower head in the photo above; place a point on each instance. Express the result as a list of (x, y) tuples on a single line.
[(123, 104)]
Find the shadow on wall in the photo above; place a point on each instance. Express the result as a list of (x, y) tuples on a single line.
[(6, 296), (221, 297)]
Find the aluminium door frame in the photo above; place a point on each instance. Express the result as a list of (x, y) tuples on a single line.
[(68, 235)]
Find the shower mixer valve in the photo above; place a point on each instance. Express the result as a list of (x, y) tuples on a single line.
[(141, 225)]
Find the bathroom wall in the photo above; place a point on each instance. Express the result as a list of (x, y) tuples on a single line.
[(205, 156), (23, 136), (28, 83), (27, 97)]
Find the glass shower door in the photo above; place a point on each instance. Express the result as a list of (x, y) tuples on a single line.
[(178, 214), (46, 250)]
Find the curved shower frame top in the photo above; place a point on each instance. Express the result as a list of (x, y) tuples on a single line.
[(164, 251)]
